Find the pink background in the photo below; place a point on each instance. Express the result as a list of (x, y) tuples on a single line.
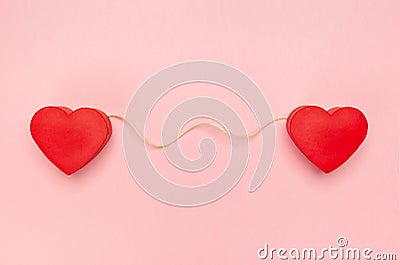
[(96, 53)]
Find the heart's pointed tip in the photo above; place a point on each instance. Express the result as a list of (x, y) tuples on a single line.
[(67, 172), (327, 172)]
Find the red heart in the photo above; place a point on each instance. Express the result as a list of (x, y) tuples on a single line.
[(70, 139), (327, 138)]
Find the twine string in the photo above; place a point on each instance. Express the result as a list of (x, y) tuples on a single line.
[(192, 127)]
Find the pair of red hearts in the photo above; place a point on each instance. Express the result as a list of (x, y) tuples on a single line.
[(71, 139)]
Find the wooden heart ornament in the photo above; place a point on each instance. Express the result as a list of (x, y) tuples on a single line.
[(70, 139), (327, 138)]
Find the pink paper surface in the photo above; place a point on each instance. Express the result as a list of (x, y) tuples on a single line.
[(96, 53)]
